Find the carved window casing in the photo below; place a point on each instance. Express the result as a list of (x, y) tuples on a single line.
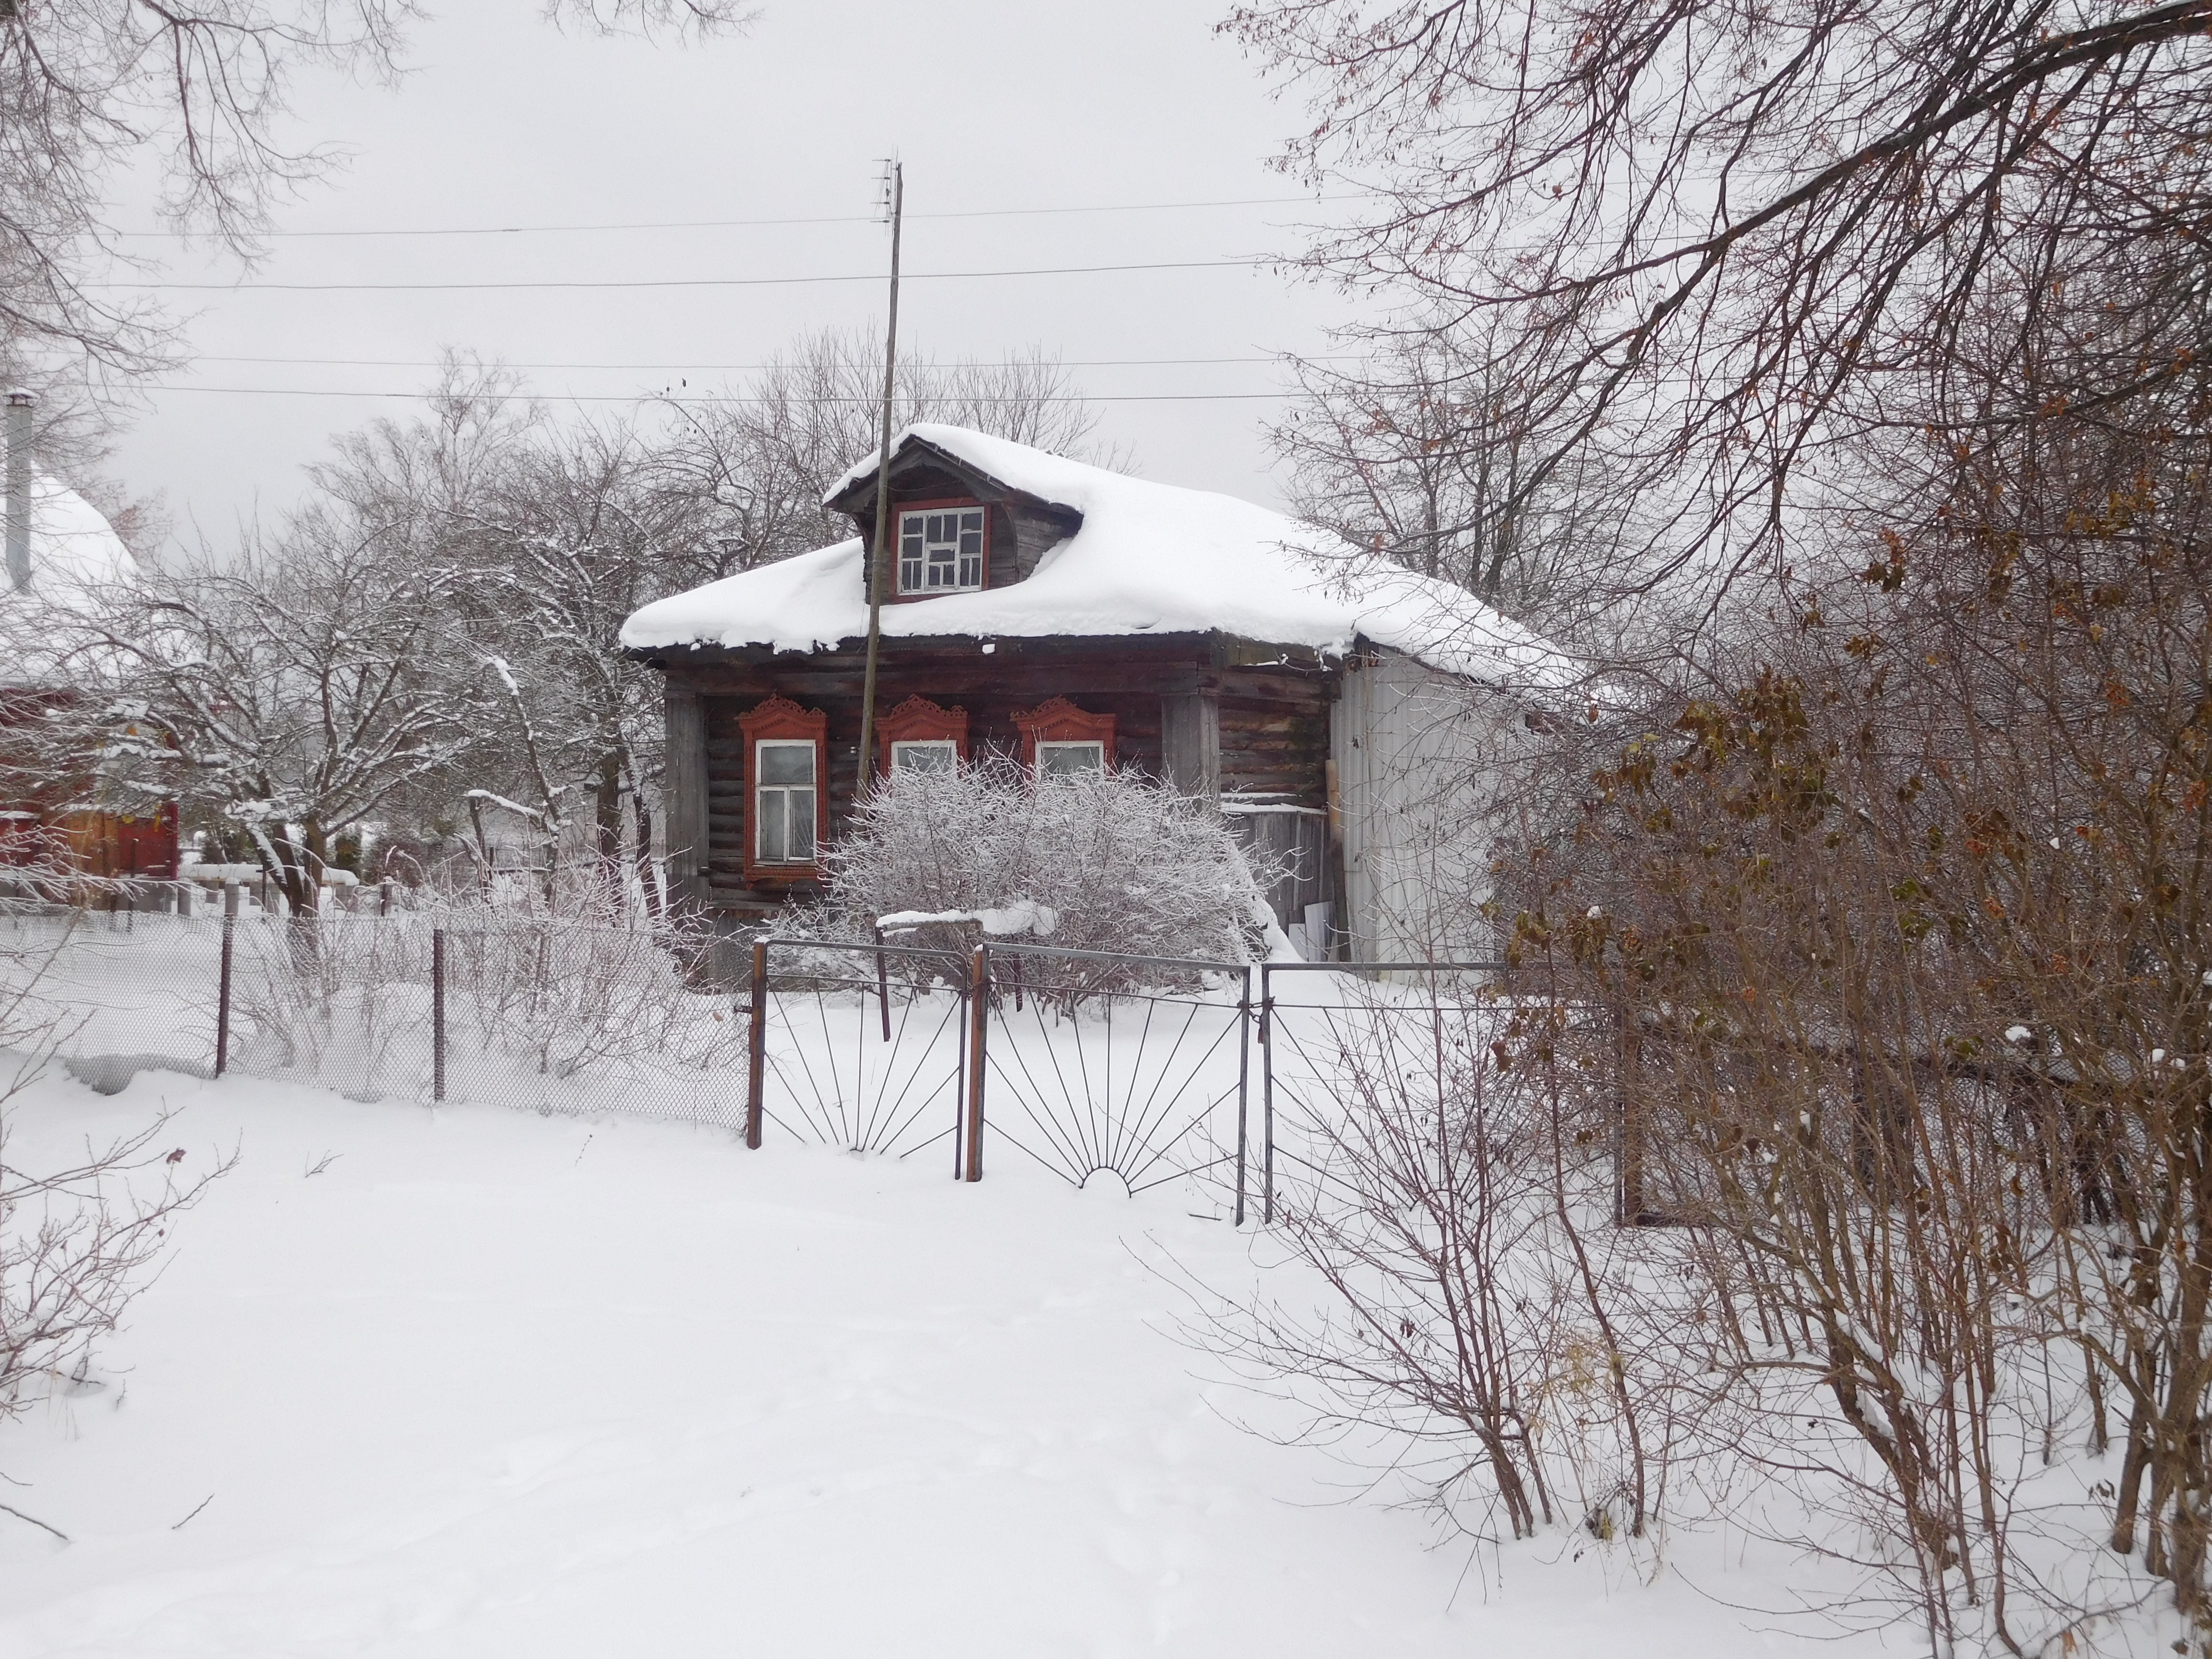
[(786, 790), (1058, 739), (919, 734)]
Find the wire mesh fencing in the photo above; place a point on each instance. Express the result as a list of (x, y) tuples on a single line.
[(507, 1009), (110, 992), (1347, 1045), (1233, 1084)]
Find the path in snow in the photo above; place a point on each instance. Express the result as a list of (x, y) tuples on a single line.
[(495, 1384)]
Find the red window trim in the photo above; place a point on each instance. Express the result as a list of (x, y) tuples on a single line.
[(919, 719), (1059, 720), (779, 717), (891, 595)]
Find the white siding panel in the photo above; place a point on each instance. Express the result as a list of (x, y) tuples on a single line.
[(1417, 756)]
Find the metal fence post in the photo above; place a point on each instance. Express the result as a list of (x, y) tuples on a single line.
[(1267, 1095), (979, 1022), (757, 1048), (223, 993), (438, 1013), (960, 1090), (883, 985), (1628, 1128), (1243, 1082)]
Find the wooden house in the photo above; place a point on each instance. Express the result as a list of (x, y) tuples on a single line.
[(64, 562), (1339, 712)]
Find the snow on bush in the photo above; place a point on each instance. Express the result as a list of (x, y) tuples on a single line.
[(568, 990), (1107, 862)]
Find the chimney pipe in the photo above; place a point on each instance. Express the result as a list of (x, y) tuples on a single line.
[(20, 404)]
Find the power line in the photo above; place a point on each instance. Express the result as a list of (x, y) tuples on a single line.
[(711, 400), (701, 368), (741, 224), (681, 281)]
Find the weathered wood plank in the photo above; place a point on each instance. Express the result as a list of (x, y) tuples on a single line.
[(684, 789)]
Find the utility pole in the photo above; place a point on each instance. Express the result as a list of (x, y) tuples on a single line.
[(894, 204)]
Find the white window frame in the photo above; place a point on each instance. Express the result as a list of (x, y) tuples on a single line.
[(906, 746), (1093, 744), (762, 789), (919, 566)]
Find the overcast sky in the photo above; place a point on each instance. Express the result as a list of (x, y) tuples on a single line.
[(991, 104)]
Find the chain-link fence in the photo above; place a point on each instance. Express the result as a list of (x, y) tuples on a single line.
[(505, 1008), (1229, 1081)]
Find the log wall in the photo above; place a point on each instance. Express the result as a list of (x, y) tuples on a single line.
[(1183, 711)]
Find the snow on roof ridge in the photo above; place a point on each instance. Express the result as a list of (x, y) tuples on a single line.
[(1149, 558), (77, 558), (71, 538), (952, 440)]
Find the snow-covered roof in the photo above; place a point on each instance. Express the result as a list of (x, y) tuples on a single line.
[(1149, 558), (77, 562)]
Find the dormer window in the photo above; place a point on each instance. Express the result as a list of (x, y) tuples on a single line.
[(942, 547)]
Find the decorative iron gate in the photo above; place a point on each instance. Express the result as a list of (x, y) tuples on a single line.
[(1085, 1062)]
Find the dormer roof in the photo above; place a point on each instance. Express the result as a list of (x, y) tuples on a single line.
[(1140, 558), (937, 451)]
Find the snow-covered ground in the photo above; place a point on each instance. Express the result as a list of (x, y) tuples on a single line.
[(475, 1382)]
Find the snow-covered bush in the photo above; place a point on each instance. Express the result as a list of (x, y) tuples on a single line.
[(1103, 862), (566, 996), (339, 996)]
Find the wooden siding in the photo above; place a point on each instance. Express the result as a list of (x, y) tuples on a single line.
[(1268, 720), (1419, 755), (1022, 529), (683, 791), (1275, 735), (992, 688)]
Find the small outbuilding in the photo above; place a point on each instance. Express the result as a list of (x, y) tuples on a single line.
[(1344, 714)]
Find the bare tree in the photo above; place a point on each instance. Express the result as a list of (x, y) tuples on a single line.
[(1415, 454), (291, 693), (576, 535), (765, 459), (200, 92), (1708, 240)]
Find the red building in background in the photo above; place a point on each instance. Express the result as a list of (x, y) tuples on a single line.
[(64, 563)]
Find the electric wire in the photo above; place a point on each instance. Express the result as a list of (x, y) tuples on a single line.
[(681, 281), (711, 400), (704, 369), (740, 224)]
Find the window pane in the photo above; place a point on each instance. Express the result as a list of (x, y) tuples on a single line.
[(936, 527), (802, 825), (768, 809), (932, 756), (972, 521), (786, 762), (1060, 760)]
